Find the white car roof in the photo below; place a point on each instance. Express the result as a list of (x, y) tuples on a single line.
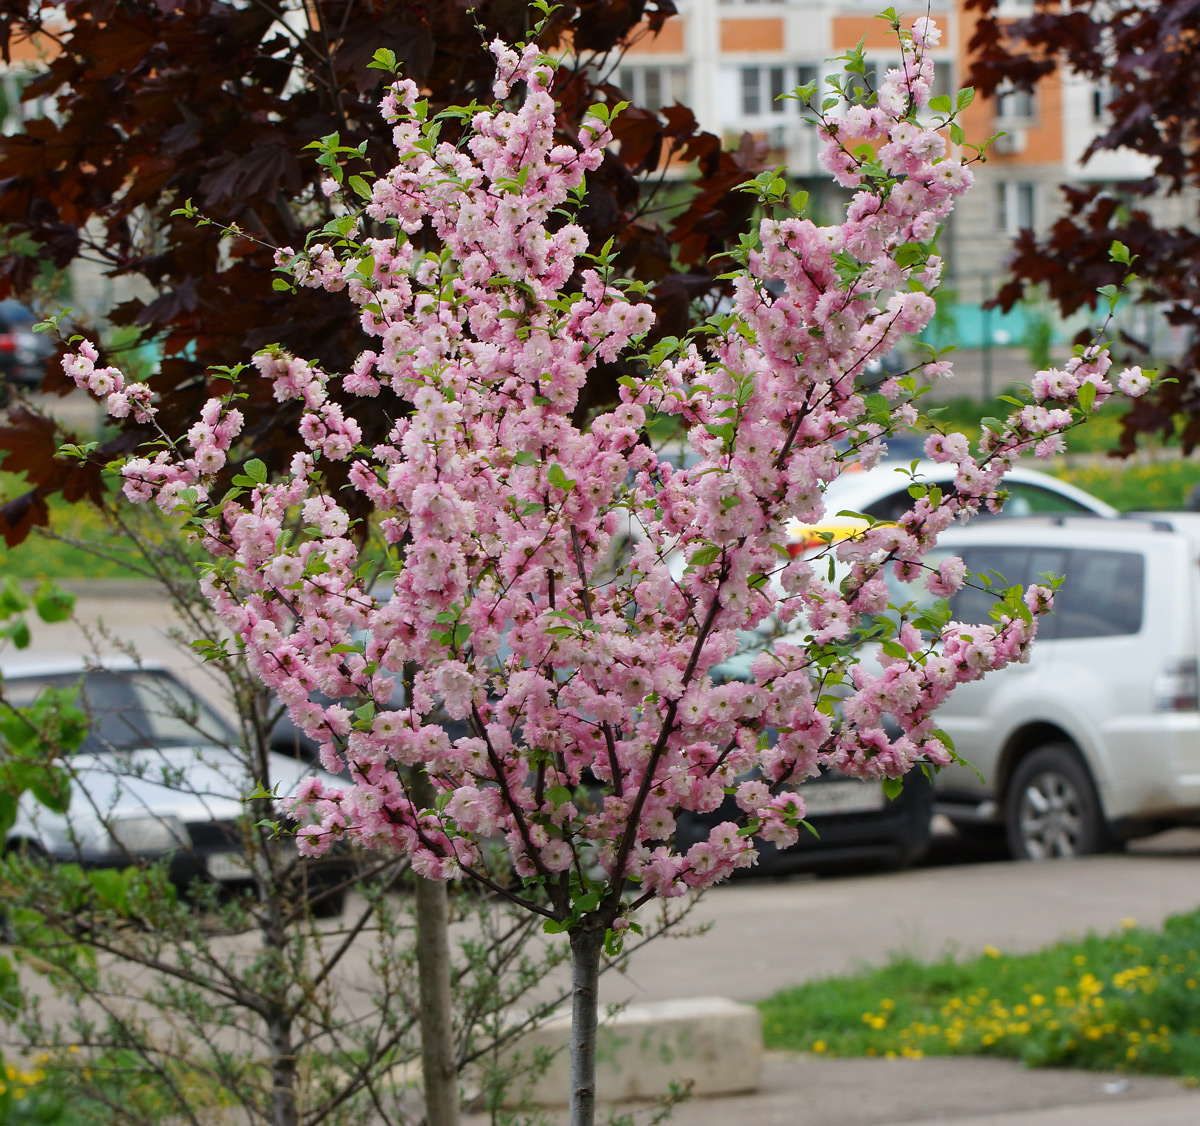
[(1124, 533), (855, 490), (14, 666)]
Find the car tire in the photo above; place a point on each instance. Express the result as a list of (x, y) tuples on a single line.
[(25, 848), (1051, 808)]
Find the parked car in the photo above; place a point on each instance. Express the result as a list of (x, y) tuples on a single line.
[(1097, 739), (159, 775), (23, 353), (855, 824), (882, 493)]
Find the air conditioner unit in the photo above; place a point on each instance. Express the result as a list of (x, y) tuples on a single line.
[(1012, 142)]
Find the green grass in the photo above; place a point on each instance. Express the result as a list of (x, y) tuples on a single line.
[(1099, 434), (41, 557), (1134, 488), (1126, 1002)]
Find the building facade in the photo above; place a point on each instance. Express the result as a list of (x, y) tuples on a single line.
[(734, 62)]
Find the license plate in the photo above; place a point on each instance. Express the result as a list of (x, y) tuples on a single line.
[(228, 866), (851, 796)]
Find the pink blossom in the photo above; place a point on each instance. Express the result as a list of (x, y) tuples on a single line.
[(572, 596), (1133, 383)]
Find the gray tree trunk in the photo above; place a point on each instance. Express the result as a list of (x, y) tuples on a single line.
[(439, 1061), (586, 945)]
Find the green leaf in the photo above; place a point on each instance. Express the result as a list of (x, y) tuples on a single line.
[(553, 926), (941, 104), (18, 633), (12, 600), (559, 479), (384, 59), (366, 712), (525, 457), (361, 187), (52, 604), (559, 795), (705, 555), (256, 470), (1118, 252), (281, 285), (965, 97), (1087, 396), (957, 133), (893, 787), (107, 884), (910, 254), (8, 812)]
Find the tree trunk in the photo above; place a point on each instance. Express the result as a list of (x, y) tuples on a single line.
[(586, 945), (284, 1108), (439, 1062)]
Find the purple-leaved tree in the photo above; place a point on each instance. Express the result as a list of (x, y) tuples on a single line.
[(489, 581)]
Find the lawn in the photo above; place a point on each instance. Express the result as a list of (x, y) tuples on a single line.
[(1128, 1001)]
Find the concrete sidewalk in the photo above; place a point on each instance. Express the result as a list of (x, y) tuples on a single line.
[(806, 1091), (767, 934)]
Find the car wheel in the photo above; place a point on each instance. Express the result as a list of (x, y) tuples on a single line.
[(1052, 809), (25, 848)]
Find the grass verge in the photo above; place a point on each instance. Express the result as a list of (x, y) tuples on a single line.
[(1164, 485), (1127, 1002)]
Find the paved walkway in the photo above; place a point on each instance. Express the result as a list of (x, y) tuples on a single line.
[(803, 1091)]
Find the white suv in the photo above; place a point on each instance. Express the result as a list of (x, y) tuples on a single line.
[(1097, 738)]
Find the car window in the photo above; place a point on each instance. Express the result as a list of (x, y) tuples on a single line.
[(130, 710), (1101, 596), (1004, 567), (892, 506), (1025, 499), (1044, 564)]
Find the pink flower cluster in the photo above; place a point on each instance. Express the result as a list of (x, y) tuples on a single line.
[(564, 591), (108, 383)]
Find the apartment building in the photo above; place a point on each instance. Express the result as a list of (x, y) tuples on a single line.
[(731, 60)]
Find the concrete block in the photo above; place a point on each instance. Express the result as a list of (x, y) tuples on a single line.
[(711, 1041)]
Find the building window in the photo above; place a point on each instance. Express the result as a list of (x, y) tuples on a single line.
[(1015, 105), (653, 87), (1016, 208), (764, 87), (943, 79), (1102, 96)]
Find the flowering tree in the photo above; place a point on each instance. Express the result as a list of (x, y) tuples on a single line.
[(584, 677)]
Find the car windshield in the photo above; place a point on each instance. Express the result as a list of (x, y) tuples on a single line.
[(130, 710)]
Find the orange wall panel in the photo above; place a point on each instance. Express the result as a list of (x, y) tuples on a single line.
[(33, 50), (848, 30), (1043, 142), (752, 35), (669, 41)]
